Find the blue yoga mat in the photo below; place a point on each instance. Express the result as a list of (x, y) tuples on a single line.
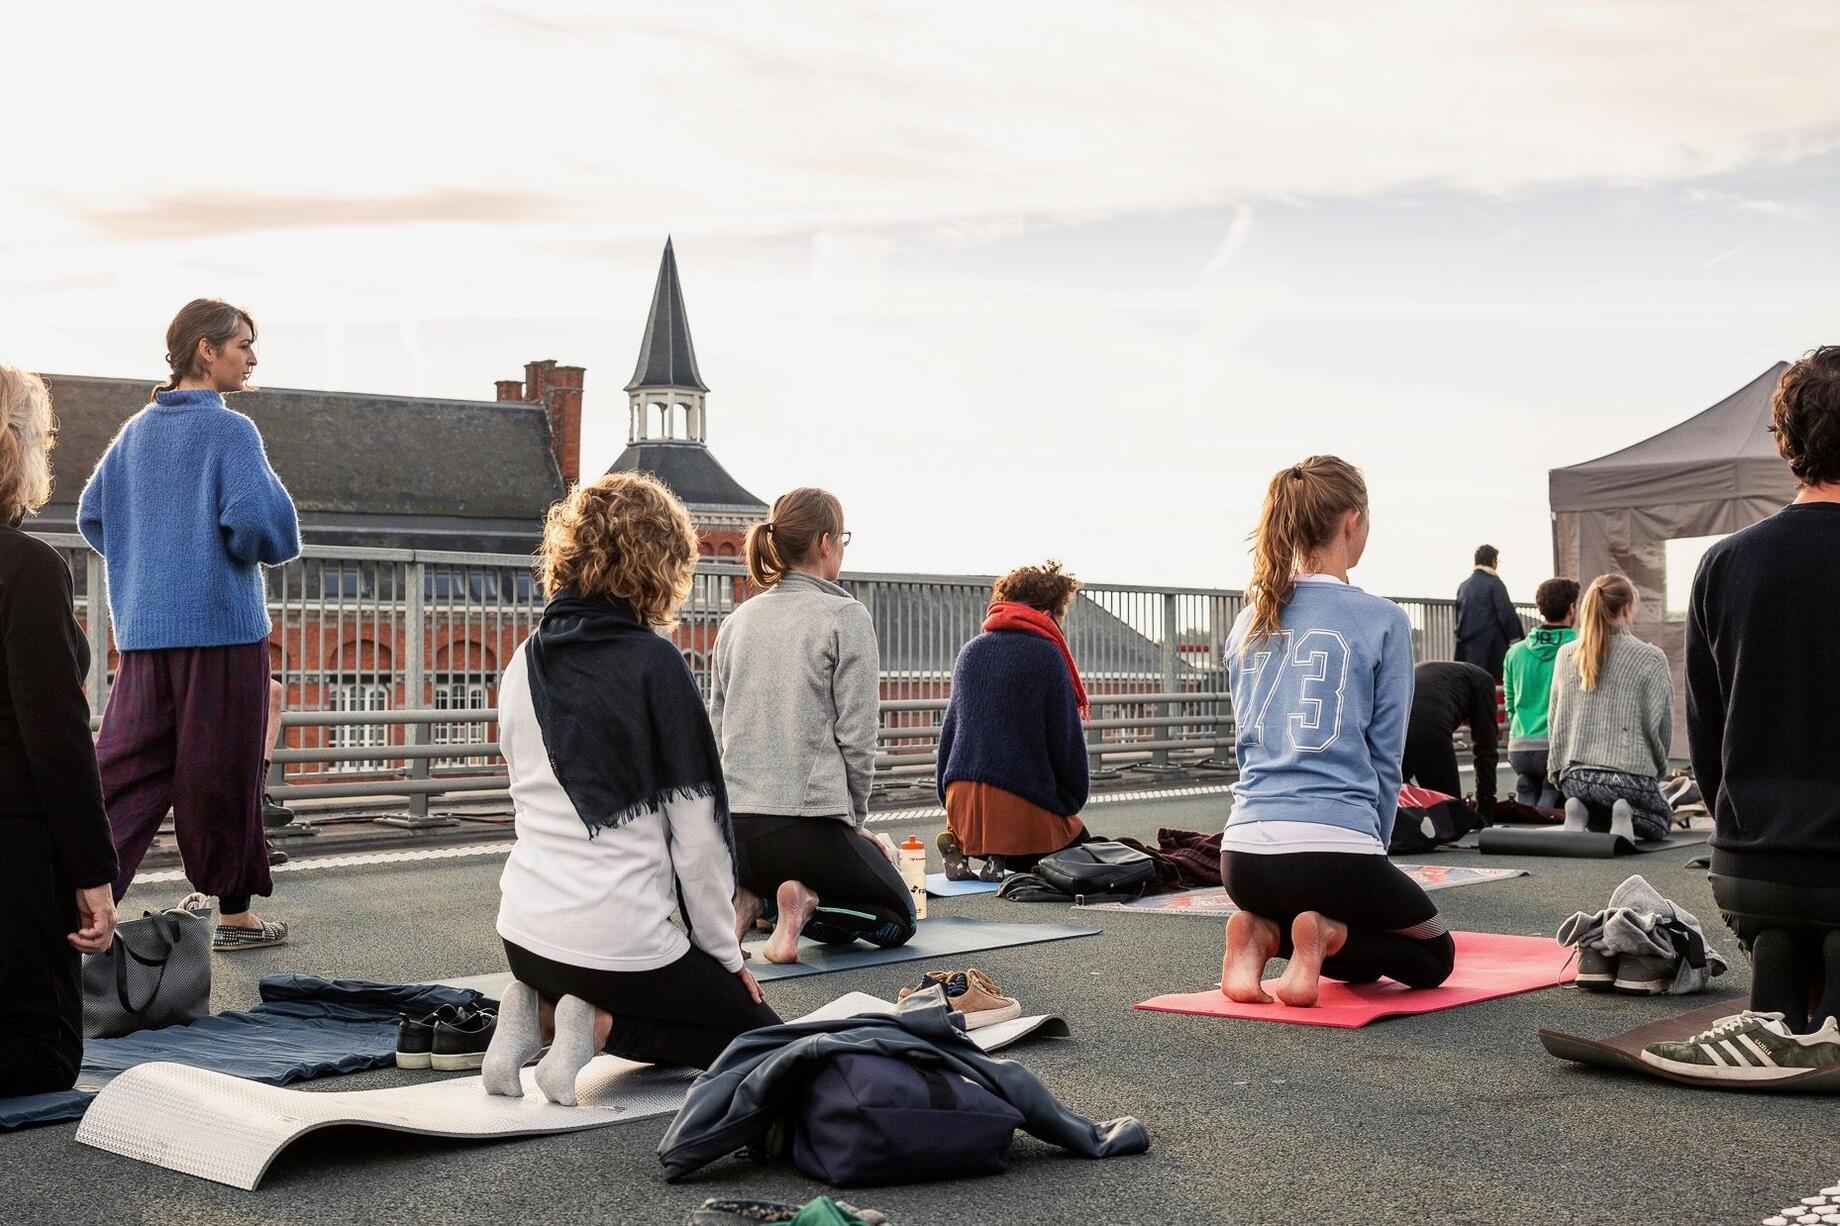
[(941, 886), (305, 1027)]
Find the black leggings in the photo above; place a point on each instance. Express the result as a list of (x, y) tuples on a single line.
[(1792, 933), (684, 1014), (41, 985), (1431, 762), (1393, 929), (860, 895)]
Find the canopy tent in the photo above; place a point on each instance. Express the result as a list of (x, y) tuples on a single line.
[(1713, 474)]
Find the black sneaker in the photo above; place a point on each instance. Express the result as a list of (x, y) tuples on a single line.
[(275, 814), (462, 1043), (415, 1036), (276, 856), (1596, 972)]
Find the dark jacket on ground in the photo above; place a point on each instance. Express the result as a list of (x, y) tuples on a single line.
[(1447, 695), (1013, 722), (732, 1106), (1486, 621), (1763, 695)]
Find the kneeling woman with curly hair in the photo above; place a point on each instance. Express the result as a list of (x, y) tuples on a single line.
[(620, 810)]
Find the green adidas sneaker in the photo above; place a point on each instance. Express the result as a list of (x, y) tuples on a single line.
[(1748, 1047)]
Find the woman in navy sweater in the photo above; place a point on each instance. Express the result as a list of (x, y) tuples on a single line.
[(1012, 753), (186, 511), (56, 862)]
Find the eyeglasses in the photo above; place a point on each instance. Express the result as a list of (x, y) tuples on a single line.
[(843, 538)]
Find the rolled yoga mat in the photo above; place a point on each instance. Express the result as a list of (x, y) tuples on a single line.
[(1580, 844)]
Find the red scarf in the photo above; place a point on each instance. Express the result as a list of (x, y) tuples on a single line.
[(1014, 615)]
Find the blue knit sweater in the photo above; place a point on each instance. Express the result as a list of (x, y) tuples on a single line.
[(1012, 722), (186, 511)]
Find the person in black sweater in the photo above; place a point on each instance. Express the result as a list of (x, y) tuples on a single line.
[(57, 860), (1446, 695), (1486, 621), (1763, 683)]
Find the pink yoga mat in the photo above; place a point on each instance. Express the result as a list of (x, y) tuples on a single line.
[(1488, 965)]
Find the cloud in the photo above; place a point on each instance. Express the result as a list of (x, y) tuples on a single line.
[(1238, 231), (226, 215)]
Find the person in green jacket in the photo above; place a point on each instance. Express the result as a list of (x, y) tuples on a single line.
[(1527, 691)]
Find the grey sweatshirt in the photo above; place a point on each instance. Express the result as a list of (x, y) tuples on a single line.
[(1627, 723), (797, 702)]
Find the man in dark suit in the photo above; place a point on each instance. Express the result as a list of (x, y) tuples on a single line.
[(1486, 620)]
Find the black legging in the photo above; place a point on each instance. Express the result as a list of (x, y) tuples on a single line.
[(1393, 929), (683, 1014), (41, 985), (1792, 933), (1431, 762), (860, 895)]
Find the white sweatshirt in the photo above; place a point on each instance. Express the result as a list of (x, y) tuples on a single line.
[(605, 903)]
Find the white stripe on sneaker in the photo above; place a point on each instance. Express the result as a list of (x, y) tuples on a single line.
[(1738, 1058), (1763, 1056), (1712, 1054)]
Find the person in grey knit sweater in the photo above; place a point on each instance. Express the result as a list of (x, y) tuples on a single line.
[(796, 705), (1612, 717)]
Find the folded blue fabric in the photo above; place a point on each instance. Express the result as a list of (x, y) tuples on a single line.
[(305, 1027)]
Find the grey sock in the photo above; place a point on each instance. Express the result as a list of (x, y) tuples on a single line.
[(569, 1051), (1577, 815), (518, 1037), (1623, 820)]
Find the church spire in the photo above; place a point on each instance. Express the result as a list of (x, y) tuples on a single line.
[(667, 359)]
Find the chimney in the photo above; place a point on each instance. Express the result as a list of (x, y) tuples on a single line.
[(510, 389), (564, 400)]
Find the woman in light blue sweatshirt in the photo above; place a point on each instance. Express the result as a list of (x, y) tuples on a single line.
[(1321, 674)]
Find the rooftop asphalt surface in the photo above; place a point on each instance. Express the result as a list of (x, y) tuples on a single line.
[(1457, 1116)]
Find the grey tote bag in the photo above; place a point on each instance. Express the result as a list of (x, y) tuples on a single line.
[(157, 973)]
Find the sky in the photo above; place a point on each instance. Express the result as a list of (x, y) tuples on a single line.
[(1061, 279)]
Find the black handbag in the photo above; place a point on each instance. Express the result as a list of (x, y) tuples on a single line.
[(156, 973), (1098, 867)]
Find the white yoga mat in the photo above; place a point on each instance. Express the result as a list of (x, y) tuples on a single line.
[(175, 1116)]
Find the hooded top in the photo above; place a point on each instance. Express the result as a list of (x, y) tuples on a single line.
[(1526, 684)]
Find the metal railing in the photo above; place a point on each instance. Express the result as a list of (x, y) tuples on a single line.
[(389, 661)]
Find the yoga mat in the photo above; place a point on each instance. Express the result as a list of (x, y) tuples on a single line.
[(230, 1131), (1212, 900), (1624, 1052), (304, 1028), (938, 885), (939, 938), (1582, 844), (1488, 965)]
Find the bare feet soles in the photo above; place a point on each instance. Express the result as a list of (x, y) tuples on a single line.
[(1251, 943), (747, 910), (1313, 938), (796, 906)]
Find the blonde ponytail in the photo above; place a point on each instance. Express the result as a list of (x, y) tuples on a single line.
[(790, 535), (1605, 601), (1304, 505)]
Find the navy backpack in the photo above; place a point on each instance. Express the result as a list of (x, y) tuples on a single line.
[(864, 1118)]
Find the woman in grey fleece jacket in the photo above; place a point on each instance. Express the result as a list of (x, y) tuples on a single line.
[(1612, 717), (796, 705)]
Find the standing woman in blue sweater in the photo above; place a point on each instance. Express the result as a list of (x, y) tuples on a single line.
[(186, 512), (1321, 674)]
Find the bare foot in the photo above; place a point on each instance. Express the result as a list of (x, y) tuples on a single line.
[(747, 910), (1313, 938), (1251, 942), (796, 905)]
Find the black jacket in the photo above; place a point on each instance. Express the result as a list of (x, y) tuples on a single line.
[(1446, 695), (1486, 622), (47, 760), (1763, 694), (733, 1105)]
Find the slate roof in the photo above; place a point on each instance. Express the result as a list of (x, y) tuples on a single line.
[(666, 356), (390, 471), (692, 472)]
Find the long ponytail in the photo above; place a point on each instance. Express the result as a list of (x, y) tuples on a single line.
[(1304, 504), (1604, 602), (790, 533)]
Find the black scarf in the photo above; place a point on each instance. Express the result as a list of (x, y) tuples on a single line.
[(622, 721)]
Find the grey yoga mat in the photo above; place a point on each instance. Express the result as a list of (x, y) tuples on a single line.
[(1582, 844), (229, 1130), (943, 937)]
